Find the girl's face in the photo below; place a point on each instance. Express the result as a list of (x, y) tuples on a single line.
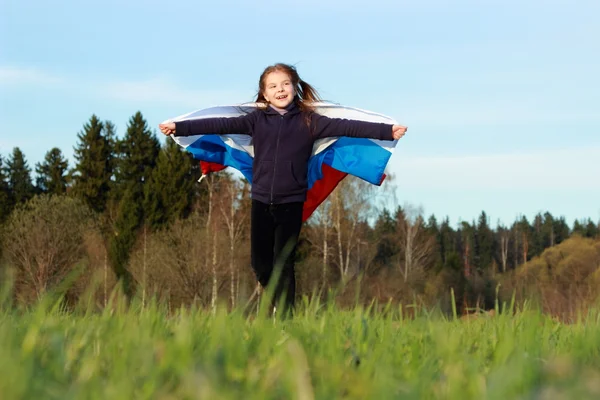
[(279, 90)]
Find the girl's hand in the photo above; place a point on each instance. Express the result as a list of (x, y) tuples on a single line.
[(398, 131), (168, 128)]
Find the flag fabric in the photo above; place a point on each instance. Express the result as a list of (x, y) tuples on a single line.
[(331, 159)]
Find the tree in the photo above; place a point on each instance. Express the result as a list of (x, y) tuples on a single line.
[(447, 243), (578, 228), (548, 233), (137, 154), (46, 240), (51, 173), (592, 229), (19, 178), (234, 208), (351, 204), (561, 230), (386, 239), (322, 231), (523, 233), (417, 246), (94, 168), (129, 215), (504, 239), (485, 246), (537, 236), (169, 193), (467, 236), (5, 200)]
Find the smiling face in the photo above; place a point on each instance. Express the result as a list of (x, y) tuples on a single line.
[(279, 89)]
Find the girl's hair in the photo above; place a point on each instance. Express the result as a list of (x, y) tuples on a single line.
[(306, 95)]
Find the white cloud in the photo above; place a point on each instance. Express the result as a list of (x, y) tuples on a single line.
[(482, 114), (162, 90), (156, 90), (565, 169), (26, 76)]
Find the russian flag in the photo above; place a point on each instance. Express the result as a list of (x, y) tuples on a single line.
[(331, 160)]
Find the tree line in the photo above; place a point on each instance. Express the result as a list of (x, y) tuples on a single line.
[(131, 210)]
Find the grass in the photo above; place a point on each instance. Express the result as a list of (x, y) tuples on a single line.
[(322, 352)]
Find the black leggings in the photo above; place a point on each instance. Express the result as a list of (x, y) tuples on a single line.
[(274, 234)]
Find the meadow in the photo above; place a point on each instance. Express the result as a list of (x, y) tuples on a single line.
[(322, 352)]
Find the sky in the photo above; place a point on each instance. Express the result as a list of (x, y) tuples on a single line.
[(501, 98)]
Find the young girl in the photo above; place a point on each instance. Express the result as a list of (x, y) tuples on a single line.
[(283, 131)]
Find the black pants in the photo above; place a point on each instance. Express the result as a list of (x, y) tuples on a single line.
[(274, 234)]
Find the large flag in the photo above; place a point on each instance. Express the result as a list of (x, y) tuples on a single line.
[(331, 160)]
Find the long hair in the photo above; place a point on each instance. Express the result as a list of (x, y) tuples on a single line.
[(306, 95)]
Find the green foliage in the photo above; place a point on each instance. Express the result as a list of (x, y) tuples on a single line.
[(128, 221), (94, 168), (485, 244), (585, 228), (5, 198), (19, 177), (385, 235), (137, 154), (52, 173), (169, 193)]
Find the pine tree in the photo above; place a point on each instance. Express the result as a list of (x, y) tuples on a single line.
[(19, 178), (548, 232), (485, 246), (126, 226), (5, 200), (169, 193), (385, 235), (467, 237), (433, 229), (137, 154), (524, 233), (94, 168), (51, 173), (591, 229), (579, 228), (561, 229), (503, 240), (537, 236), (447, 245)]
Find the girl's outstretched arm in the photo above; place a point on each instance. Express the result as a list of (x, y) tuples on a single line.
[(206, 126), (322, 126)]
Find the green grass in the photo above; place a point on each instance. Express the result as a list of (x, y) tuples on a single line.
[(322, 353)]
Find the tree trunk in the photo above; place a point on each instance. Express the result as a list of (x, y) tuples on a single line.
[(144, 270), (504, 250), (232, 235), (466, 260), (213, 295), (338, 228), (325, 251), (408, 251), (105, 276), (525, 247)]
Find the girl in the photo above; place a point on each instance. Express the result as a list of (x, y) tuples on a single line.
[(283, 131)]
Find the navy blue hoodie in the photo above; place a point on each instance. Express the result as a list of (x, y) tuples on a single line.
[(282, 145)]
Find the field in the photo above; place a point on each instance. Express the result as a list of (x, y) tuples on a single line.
[(322, 352)]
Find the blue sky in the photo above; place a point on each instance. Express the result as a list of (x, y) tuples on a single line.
[(502, 98)]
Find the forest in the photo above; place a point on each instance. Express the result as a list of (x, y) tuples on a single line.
[(131, 216)]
